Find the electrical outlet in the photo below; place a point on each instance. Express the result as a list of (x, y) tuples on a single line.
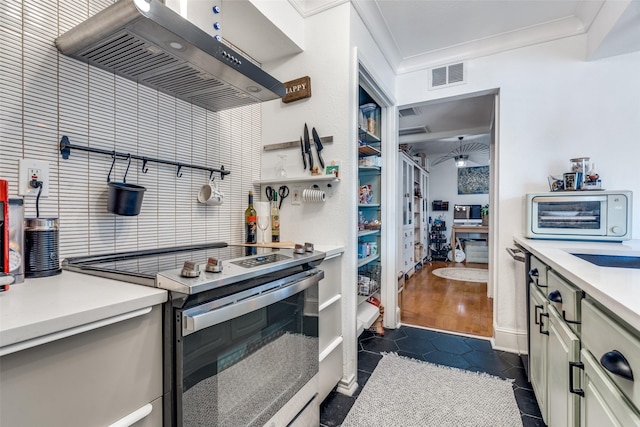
[(33, 169), (296, 196)]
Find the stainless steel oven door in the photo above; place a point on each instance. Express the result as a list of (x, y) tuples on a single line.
[(242, 358)]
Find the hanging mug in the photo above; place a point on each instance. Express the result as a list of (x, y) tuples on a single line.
[(210, 194)]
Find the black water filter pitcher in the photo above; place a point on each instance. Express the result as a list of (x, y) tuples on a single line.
[(41, 247)]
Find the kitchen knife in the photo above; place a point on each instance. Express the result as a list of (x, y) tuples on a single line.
[(304, 159), (307, 146), (316, 139)]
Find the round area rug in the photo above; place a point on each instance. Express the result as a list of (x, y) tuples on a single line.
[(464, 274)]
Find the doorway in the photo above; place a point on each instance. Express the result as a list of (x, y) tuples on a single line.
[(445, 132)]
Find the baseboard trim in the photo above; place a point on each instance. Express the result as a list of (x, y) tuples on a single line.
[(347, 386), (511, 340)]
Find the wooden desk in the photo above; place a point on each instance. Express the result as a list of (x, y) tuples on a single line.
[(468, 229)]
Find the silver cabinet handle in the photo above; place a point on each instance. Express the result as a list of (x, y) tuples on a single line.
[(215, 312)]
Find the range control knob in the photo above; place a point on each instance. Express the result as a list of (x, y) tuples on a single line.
[(213, 266), (216, 9), (616, 230), (190, 269), (216, 26)]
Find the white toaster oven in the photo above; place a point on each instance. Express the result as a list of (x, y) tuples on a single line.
[(579, 215)]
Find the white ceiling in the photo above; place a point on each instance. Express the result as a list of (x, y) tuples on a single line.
[(418, 34), (422, 34)]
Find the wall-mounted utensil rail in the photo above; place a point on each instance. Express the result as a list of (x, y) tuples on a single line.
[(66, 147)]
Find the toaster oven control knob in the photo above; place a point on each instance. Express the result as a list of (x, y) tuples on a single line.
[(616, 230), (190, 269), (213, 266)]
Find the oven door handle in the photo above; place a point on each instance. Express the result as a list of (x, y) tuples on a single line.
[(195, 319)]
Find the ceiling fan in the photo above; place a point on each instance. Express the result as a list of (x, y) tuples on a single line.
[(461, 154)]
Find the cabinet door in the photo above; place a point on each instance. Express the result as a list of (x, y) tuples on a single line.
[(563, 348), (406, 195), (538, 327)]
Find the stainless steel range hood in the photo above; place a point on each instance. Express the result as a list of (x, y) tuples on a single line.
[(145, 41)]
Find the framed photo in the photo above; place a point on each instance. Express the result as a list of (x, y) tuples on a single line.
[(333, 168), (473, 180), (571, 180)]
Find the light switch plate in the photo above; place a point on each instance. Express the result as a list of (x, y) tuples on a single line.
[(27, 168), (296, 195)]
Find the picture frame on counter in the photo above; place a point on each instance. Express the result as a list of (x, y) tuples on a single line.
[(572, 180)]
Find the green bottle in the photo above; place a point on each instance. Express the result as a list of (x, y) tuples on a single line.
[(250, 226)]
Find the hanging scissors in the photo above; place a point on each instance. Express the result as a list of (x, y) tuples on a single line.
[(283, 192), (269, 192)]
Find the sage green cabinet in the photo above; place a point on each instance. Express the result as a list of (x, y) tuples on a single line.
[(563, 349), (538, 346)]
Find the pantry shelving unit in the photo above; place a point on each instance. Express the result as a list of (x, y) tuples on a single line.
[(369, 210), (413, 194)]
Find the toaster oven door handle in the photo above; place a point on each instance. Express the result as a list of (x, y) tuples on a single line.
[(569, 199), (201, 317)]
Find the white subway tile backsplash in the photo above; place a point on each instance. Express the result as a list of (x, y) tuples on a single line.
[(46, 95), (11, 15)]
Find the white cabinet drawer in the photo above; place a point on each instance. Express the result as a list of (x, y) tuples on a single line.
[(611, 344), (330, 285), (565, 298), (330, 372), (330, 326), (91, 379)]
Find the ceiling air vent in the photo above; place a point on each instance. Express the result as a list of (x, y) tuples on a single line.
[(448, 75), (414, 131), (411, 111)]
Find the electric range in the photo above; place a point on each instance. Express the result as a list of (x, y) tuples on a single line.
[(240, 329), (165, 268)]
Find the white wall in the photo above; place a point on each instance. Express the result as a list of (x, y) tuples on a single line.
[(554, 106), (46, 95), (329, 60), (443, 185)]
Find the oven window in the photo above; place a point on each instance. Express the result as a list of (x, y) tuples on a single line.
[(569, 215), (242, 371)]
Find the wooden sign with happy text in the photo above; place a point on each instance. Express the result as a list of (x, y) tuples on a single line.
[(297, 89)]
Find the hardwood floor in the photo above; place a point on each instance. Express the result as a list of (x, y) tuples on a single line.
[(449, 305)]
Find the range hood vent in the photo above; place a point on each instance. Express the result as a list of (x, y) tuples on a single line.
[(145, 41)]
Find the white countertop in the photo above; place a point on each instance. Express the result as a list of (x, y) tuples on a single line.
[(330, 251), (40, 308), (618, 289)]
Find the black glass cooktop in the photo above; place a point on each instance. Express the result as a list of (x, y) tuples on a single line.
[(151, 262)]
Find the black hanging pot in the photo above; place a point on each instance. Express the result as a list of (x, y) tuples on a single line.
[(124, 199)]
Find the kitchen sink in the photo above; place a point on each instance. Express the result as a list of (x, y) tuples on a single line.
[(620, 261)]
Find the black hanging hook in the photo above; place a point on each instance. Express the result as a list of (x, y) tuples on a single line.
[(178, 174), (145, 169), (222, 172), (112, 164), (124, 179), (211, 177)]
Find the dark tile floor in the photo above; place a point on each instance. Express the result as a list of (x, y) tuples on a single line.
[(435, 347)]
